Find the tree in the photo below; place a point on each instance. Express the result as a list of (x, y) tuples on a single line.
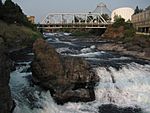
[(12, 13), (1, 4), (118, 18), (1, 9), (118, 21)]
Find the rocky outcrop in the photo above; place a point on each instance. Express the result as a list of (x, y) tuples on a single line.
[(113, 33), (126, 42), (110, 108), (6, 102), (133, 50), (68, 78)]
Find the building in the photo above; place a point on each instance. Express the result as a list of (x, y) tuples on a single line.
[(102, 9), (124, 12), (141, 21), (31, 19)]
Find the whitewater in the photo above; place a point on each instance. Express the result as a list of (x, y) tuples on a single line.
[(126, 86)]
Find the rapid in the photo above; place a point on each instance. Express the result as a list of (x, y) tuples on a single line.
[(124, 80)]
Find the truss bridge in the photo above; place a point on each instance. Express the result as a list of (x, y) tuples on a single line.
[(92, 20)]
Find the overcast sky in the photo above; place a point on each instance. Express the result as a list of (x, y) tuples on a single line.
[(40, 8)]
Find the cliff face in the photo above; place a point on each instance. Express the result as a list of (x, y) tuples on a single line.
[(6, 102), (68, 79)]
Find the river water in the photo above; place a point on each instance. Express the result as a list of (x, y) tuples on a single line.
[(124, 80)]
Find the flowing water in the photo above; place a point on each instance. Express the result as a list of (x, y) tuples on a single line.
[(124, 80)]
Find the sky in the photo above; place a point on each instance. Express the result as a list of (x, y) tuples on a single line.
[(40, 8)]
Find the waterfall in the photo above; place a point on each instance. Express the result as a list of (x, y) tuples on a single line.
[(129, 86)]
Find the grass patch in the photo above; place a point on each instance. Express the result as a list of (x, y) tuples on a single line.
[(15, 35)]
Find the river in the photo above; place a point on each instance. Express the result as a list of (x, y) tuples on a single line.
[(124, 80)]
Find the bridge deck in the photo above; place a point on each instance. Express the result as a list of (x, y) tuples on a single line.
[(73, 25)]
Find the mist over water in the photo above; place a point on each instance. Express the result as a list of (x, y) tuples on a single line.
[(124, 81)]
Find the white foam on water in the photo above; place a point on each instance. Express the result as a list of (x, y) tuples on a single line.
[(131, 87), (45, 100), (49, 39), (18, 80), (63, 49), (24, 63), (20, 88), (49, 34), (87, 50), (63, 42), (93, 47), (88, 55), (67, 34), (120, 58)]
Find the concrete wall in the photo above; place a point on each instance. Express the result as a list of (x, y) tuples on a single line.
[(141, 21)]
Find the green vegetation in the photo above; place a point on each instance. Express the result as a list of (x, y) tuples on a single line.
[(129, 31), (17, 36), (16, 30), (118, 21), (128, 36), (12, 13)]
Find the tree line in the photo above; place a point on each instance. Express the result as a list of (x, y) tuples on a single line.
[(12, 13)]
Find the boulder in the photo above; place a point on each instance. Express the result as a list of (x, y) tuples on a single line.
[(68, 78), (6, 103), (47, 66), (110, 108)]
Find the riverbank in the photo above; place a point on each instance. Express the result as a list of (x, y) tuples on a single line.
[(13, 38), (121, 48), (125, 41)]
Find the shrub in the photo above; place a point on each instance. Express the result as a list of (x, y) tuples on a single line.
[(129, 32)]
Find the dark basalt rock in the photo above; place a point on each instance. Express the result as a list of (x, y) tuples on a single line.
[(109, 108), (6, 103), (68, 78)]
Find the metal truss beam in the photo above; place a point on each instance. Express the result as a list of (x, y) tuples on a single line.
[(73, 20)]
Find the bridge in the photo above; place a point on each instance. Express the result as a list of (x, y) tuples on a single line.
[(91, 20)]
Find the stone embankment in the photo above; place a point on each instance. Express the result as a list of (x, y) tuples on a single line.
[(68, 78)]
